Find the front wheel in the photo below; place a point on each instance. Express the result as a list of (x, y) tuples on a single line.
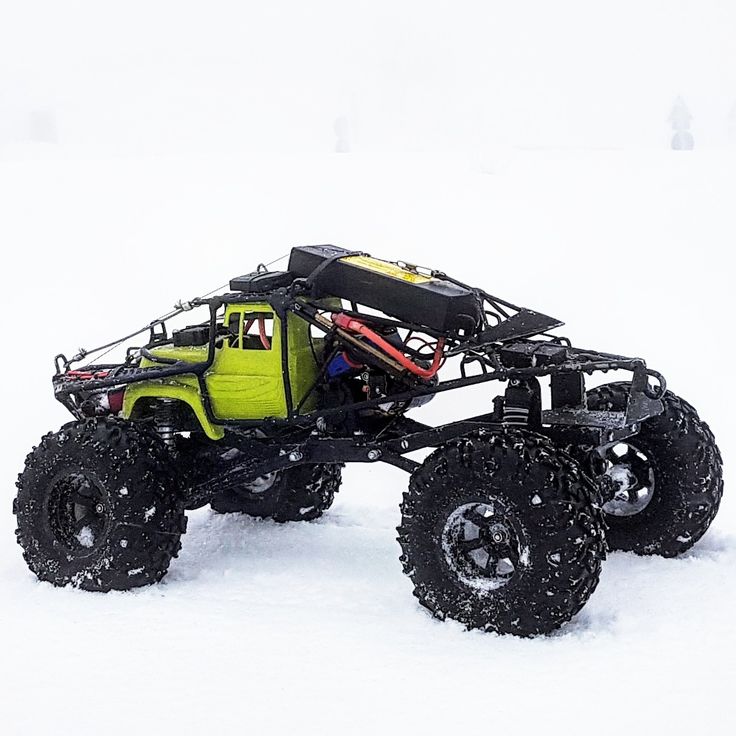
[(97, 507), (501, 532), (668, 478)]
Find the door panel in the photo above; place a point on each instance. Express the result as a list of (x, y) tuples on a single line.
[(245, 381)]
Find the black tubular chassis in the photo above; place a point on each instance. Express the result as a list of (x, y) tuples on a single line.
[(513, 346)]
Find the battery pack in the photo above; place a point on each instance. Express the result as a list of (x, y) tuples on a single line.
[(399, 292)]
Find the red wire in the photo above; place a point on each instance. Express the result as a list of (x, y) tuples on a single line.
[(353, 325)]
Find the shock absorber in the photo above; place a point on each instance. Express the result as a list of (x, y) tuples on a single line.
[(164, 421), (521, 403)]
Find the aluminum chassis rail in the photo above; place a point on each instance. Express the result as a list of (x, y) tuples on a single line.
[(561, 423)]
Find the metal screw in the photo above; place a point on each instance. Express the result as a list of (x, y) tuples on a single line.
[(374, 454), (295, 456), (100, 508), (499, 533)]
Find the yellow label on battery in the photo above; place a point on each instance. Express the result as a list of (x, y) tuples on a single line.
[(387, 269)]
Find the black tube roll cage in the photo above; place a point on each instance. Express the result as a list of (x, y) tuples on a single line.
[(500, 352)]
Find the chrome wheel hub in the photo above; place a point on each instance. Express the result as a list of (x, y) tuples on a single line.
[(631, 477), (483, 545), (262, 484)]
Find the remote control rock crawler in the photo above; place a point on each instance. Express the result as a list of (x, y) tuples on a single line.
[(256, 408)]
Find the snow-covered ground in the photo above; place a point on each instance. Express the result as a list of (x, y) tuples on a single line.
[(312, 627)]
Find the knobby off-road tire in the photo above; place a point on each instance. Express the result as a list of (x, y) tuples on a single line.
[(676, 460), (97, 507), (501, 532), (303, 493)]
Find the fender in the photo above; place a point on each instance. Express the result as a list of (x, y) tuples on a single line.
[(179, 391)]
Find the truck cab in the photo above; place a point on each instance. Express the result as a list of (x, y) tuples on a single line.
[(254, 352)]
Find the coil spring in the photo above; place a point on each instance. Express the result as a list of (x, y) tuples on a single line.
[(164, 421), (517, 416)]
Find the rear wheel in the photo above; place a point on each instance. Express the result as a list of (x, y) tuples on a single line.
[(97, 507), (501, 533), (668, 477), (302, 493)]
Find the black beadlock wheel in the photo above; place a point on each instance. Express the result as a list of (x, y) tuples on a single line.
[(97, 507), (302, 493), (669, 477), (502, 533)]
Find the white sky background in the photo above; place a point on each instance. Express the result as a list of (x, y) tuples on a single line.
[(153, 76)]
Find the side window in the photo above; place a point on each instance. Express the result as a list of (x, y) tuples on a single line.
[(233, 330), (257, 331)]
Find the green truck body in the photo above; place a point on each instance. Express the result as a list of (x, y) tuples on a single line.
[(246, 379)]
